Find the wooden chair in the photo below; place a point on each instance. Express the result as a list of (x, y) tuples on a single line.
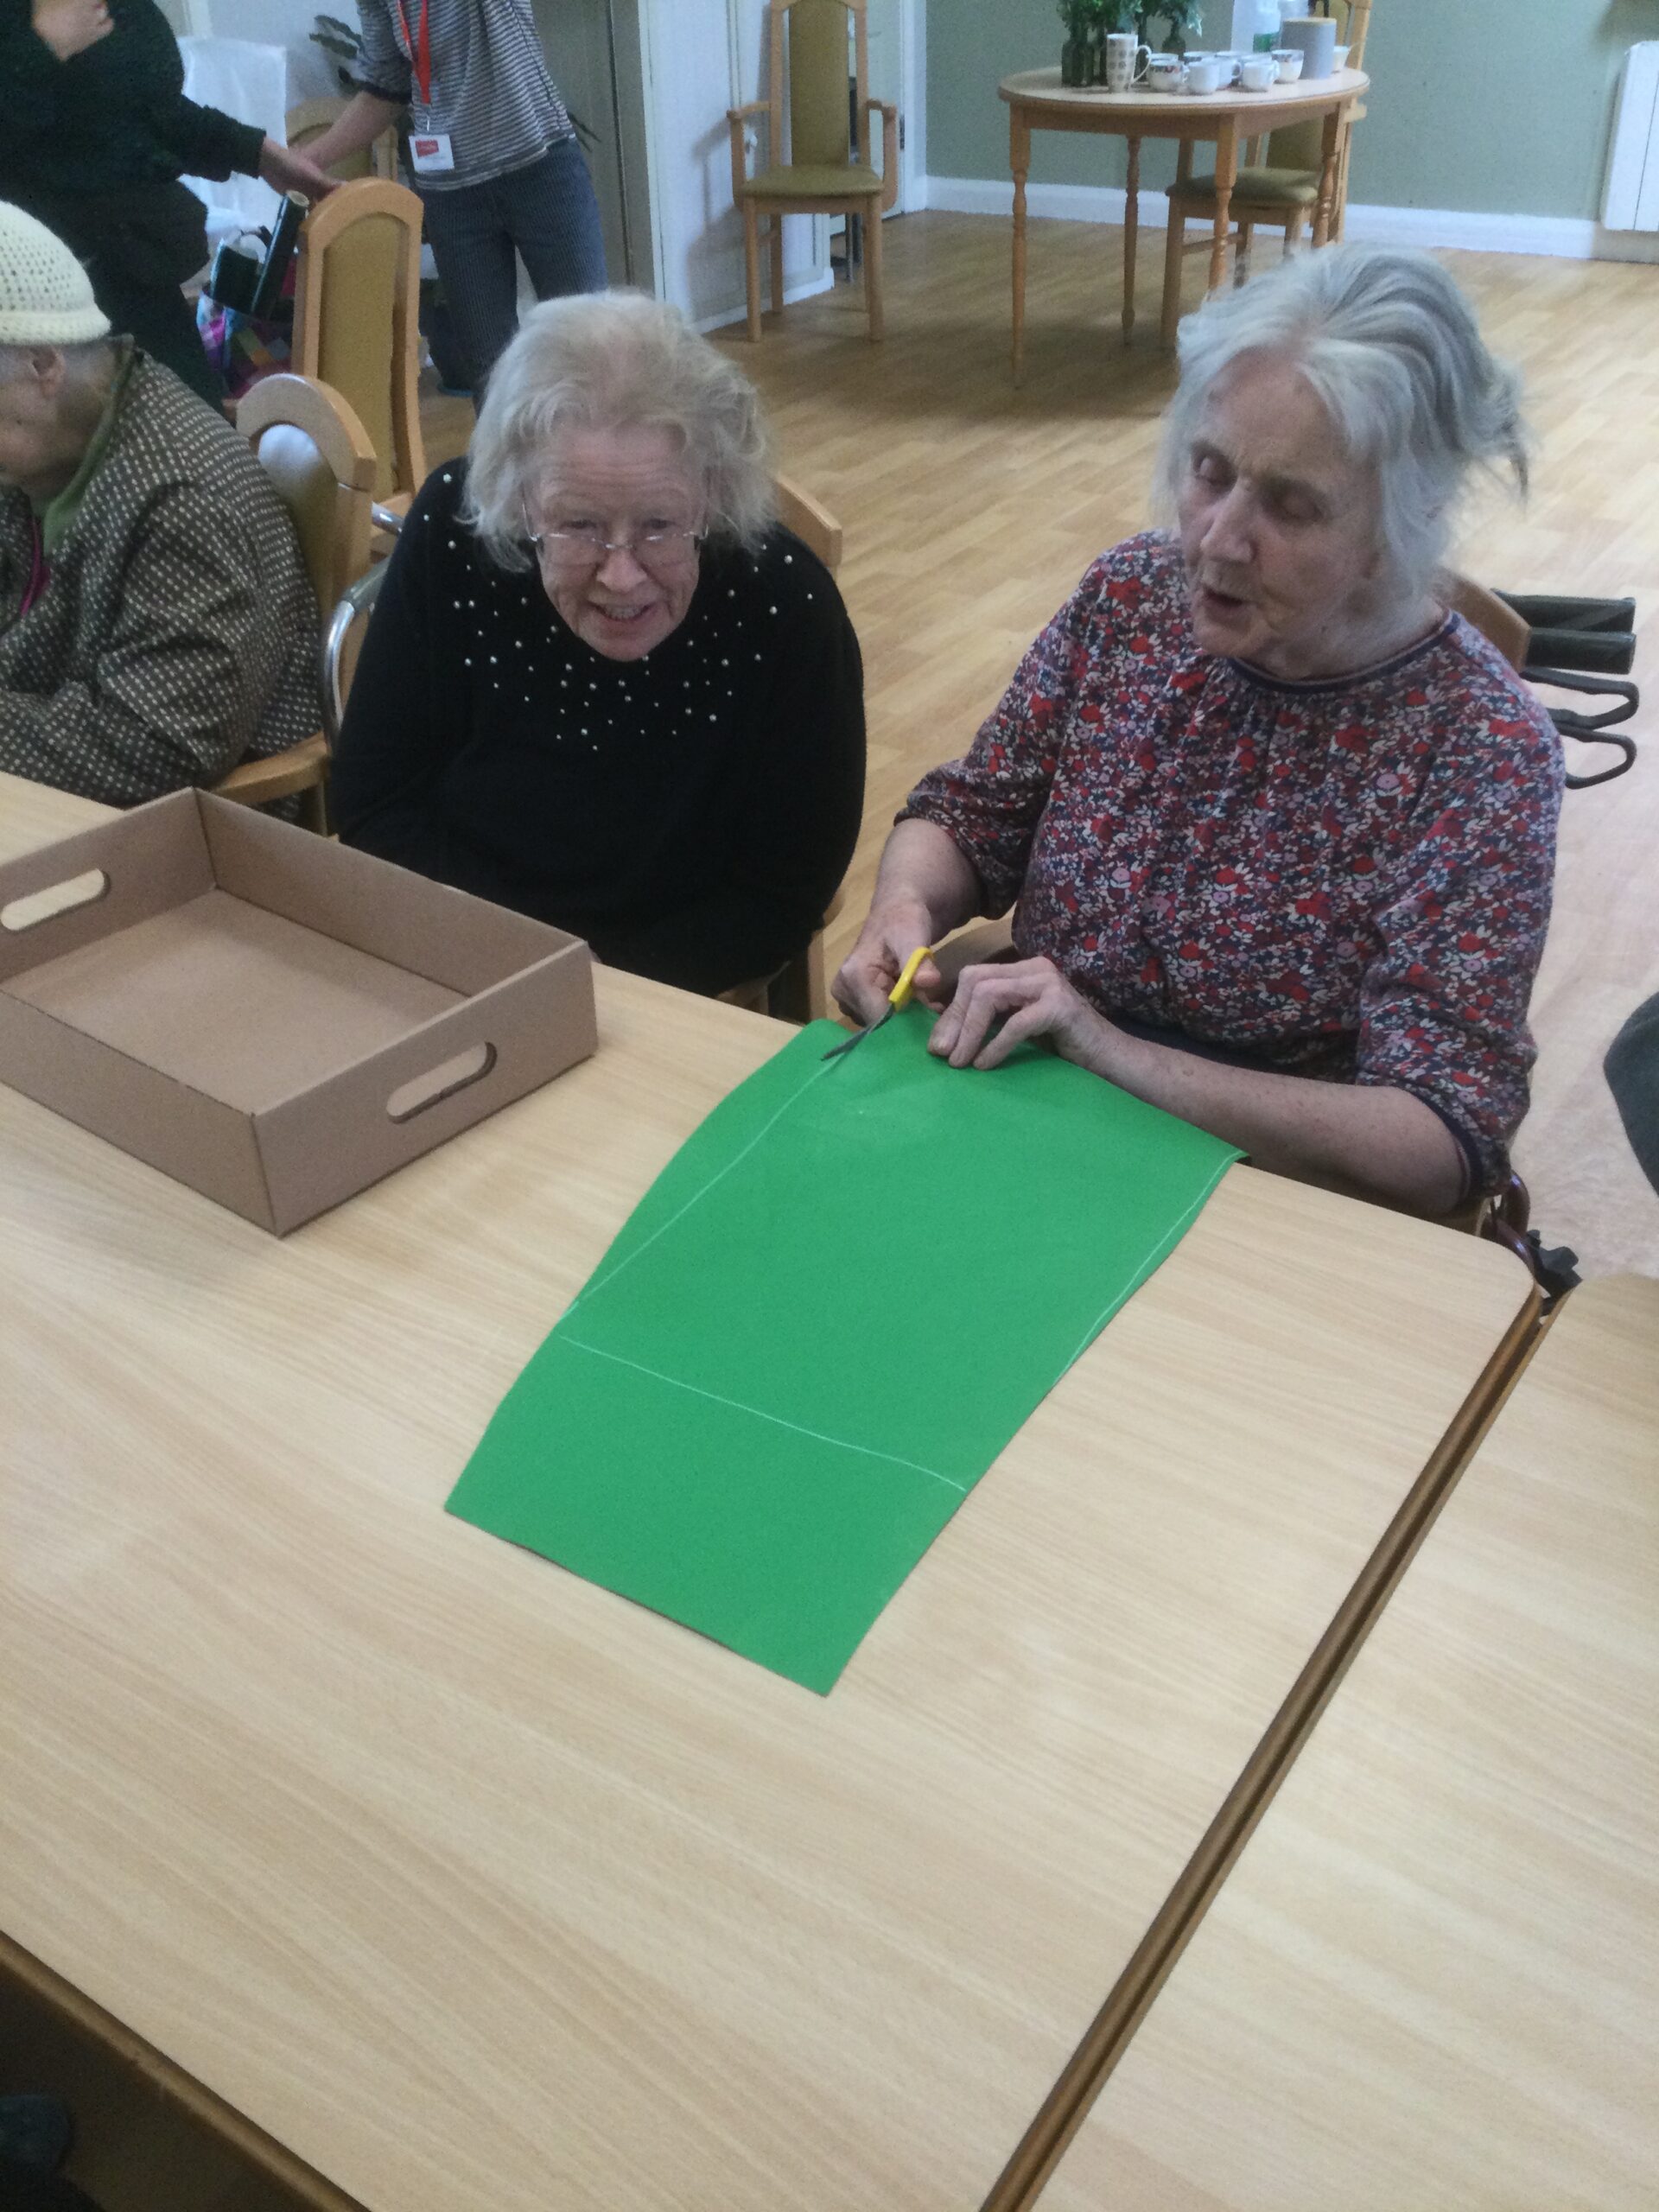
[(1278, 193), (1496, 621), (820, 177), (316, 452), (357, 321), (312, 118)]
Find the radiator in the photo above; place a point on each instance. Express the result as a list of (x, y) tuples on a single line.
[(1632, 201)]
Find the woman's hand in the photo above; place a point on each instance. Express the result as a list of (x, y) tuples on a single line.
[(873, 967), (288, 169), (69, 27), (999, 1006)]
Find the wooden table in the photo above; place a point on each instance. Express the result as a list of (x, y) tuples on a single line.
[(1037, 101), (473, 1883), (1433, 1979)]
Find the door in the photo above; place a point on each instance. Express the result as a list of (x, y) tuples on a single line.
[(886, 22), (596, 67)]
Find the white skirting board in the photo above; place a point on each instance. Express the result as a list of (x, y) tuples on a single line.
[(1562, 237), (808, 289)]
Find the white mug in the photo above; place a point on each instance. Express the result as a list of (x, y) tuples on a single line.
[(1163, 72), (1290, 62), (1127, 60), (1203, 75), (1256, 72)]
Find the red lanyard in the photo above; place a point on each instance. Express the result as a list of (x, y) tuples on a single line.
[(39, 575), (420, 51)]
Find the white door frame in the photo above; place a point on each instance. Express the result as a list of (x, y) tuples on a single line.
[(912, 50)]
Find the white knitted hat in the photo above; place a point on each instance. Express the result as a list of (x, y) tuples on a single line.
[(46, 296)]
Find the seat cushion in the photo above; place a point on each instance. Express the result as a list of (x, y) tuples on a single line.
[(1263, 187), (815, 181)]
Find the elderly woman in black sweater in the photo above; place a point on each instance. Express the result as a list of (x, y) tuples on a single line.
[(601, 685)]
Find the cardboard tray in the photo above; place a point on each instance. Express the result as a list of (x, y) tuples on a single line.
[(272, 1018)]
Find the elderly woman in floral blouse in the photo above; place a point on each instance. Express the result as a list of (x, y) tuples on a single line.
[(1265, 808)]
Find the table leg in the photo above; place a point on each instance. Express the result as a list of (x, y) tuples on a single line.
[(1131, 235), (1329, 151), (1226, 177), (1019, 162)]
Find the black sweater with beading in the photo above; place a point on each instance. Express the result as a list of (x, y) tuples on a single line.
[(690, 813)]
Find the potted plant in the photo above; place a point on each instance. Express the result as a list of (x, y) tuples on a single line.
[(1078, 16), (1082, 56), (1183, 21)]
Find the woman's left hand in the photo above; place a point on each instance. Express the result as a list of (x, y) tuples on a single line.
[(1002, 1005)]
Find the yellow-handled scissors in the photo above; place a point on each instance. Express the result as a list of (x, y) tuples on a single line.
[(898, 997)]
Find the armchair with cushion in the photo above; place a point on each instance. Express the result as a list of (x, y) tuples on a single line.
[(827, 170)]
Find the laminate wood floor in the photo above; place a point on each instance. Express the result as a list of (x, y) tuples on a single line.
[(970, 510)]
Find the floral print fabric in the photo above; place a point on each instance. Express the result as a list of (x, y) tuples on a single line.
[(1348, 879)]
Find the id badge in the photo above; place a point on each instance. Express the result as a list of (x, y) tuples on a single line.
[(429, 152)]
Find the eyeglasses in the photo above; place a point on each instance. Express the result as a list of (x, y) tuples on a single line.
[(577, 546)]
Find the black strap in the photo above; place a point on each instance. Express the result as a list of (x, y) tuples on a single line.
[(1594, 728)]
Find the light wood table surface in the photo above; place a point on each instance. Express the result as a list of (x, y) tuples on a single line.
[(1433, 1979), (473, 1883), (1038, 101)]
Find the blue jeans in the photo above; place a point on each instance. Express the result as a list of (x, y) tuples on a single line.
[(548, 213)]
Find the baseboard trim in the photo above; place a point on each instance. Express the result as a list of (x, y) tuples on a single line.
[(807, 289), (1559, 237)]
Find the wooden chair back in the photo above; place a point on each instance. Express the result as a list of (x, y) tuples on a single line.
[(357, 320), (811, 521), (815, 72), (311, 445), (1496, 621), (1301, 145), (1356, 30)]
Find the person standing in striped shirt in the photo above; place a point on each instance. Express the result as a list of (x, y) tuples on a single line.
[(494, 154)]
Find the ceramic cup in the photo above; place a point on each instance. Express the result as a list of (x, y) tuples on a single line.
[(1290, 62), (1163, 72), (1256, 72), (1203, 75), (1127, 60)]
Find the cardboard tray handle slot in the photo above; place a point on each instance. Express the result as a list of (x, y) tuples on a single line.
[(442, 1082), (36, 908)]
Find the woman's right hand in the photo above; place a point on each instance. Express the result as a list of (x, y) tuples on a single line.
[(69, 27), (873, 967)]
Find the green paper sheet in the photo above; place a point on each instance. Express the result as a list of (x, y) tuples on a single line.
[(820, 1326)]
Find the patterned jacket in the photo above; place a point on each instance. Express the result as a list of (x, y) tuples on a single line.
[(1348, 877), (176, 633)]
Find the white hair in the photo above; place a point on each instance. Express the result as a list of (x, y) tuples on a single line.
[(1391, 347), (609, 361)]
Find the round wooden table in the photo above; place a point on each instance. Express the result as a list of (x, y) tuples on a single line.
[(1038, 101)]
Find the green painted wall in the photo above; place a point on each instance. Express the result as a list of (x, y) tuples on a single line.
[(1495, 107)]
